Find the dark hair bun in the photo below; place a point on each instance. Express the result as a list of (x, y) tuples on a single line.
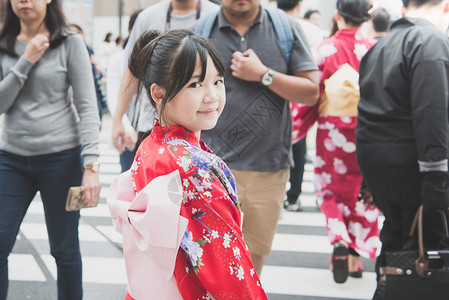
[(354, 11)]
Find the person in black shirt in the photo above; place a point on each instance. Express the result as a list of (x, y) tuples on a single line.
[(403, 128)]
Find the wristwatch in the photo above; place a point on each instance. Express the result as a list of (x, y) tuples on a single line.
[(94, 167), (267, 78)]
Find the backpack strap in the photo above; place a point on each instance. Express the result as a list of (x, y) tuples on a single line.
[(283, 30), (280, 21), (204, 25)]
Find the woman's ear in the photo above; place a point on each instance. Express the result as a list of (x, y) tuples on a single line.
[(157, 93), (337, 16)]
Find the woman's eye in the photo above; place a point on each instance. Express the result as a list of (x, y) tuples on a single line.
[(194, 85), (219, 82)]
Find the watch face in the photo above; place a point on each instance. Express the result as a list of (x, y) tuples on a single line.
[(267, 79)]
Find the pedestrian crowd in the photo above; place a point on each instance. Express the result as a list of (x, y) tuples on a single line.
[(212, 105)]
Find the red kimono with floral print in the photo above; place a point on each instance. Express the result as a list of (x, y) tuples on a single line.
[(213, 261)]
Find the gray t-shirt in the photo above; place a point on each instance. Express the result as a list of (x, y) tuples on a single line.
[(141, 112), (254, 131), (42, 116)]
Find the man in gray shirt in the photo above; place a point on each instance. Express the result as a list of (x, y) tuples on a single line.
[(253, 134)]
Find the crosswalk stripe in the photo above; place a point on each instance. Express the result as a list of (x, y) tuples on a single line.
[(23, 267), (296, 281), (314, 282)]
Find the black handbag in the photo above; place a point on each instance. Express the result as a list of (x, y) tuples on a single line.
[(409, 275)]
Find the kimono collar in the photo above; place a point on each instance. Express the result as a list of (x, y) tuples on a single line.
[(346, 33), (168, 133)]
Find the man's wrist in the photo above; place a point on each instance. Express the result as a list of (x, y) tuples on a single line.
[(267, 78)]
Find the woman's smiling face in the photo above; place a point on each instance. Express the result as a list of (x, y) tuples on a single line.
[(198, 105)]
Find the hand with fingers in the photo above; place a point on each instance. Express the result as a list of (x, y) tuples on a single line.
[(91, 186), (118, 135), (36, 48), (247, 66)]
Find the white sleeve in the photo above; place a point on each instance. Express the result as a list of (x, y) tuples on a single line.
[(114, 78)]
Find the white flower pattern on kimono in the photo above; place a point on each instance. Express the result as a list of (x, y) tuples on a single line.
[(337, 138), (197, 183), (321, 181), (204, 173), (359, 35), (241, 273), (207, 185), (344, 209), (185, 182), (226, 240), (252, 272), (190, 195), (349, 147), (327, 50), (360, 50), (184, 162), (346, 120), (160, 150), (214, 234), (236, 251), (371, 215), (338, 228), (329, 145), (318, 162), (339, 166), (361, 235)]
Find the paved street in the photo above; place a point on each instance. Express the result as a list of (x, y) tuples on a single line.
[(296, 269)]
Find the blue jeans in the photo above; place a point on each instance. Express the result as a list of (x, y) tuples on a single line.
[(52, 174), (126, 159)]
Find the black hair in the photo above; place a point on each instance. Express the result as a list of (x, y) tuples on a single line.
[(310, 12), (418, 3), (133, 18), (381, 20), (108, 37), (132, 21), (287, 5), (169, 61), (354, 12), (54, 20), (334, 27)]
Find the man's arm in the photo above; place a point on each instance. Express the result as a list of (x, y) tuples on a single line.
[(128, 89), (302, 87), (429, 93)]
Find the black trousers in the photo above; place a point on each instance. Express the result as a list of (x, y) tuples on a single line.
[(296, 173), (397, 193)]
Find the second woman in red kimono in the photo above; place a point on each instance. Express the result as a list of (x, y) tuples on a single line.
[(352, 228), (177, 207)]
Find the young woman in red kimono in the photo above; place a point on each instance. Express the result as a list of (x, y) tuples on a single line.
[(177, 207), (351, 226)]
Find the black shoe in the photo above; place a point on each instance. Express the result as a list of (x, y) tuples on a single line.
[(340, 262)]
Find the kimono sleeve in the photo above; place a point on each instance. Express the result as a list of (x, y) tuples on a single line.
[(213, 259)]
